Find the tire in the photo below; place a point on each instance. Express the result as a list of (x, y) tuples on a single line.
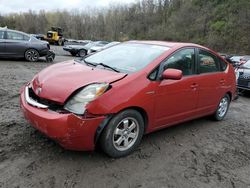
[(73, 54), (82, 53), (122, 134), (50, 57), (32, 55), (60, 42), (222, 108)]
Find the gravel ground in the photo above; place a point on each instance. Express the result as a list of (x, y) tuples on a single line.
[(199, 153)]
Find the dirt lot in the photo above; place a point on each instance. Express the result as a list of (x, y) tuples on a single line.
[(200, 153)]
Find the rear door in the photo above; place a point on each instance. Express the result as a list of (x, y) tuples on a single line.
[(2, 43), (16, 44), (212, 81)]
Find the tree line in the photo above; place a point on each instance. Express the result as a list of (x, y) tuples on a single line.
[(223, 25)]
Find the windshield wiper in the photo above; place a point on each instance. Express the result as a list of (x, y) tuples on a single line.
[(107, 66), (88, 63)]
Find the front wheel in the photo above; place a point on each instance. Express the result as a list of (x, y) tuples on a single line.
[(222, 108), (123, 134), (31, 55)]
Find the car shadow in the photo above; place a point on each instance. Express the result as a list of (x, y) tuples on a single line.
[(41, 60), (172, 133), (244, 93)]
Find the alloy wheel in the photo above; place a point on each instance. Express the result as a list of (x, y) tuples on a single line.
[(125, 134), (32, 55), (223, 106)]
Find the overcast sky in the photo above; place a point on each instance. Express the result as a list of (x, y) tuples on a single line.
[(15, 6)]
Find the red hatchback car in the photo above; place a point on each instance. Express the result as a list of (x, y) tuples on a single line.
[(115, 96)]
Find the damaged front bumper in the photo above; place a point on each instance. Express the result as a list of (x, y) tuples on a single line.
[(70, 131)]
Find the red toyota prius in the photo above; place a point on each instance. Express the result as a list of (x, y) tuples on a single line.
[(117, 95)]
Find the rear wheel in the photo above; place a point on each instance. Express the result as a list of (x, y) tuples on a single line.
[(123, 134), (222, 108), (82, 53), (31, 55)]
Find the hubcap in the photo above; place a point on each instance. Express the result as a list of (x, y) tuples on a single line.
[(223, 107), (82, 53), (32, 55), (125, 134)]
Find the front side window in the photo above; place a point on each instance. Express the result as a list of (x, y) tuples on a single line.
[(207, 62), (183, 60), (1, 34), (15, 36)]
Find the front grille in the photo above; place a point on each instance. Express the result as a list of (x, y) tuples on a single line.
[(243, 82), (51, 104)]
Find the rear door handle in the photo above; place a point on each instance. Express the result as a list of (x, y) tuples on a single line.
[(194, 86), (222, 81)]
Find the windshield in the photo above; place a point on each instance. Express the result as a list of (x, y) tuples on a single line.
[(128, 57), (89, 44), (247, 64)]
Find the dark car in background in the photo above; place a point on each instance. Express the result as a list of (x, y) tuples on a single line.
[(82, 50), (16, 44), (243, 76)]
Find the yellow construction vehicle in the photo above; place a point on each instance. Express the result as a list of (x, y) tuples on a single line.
[(55, 36)]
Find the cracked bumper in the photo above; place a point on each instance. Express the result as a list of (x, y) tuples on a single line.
[(70, 131)]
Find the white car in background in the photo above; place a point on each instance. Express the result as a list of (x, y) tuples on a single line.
[(98, 48)]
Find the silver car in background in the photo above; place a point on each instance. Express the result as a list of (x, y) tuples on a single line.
[(98, 48), (16, 44)]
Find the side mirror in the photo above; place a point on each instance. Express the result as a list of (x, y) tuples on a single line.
[(172, 74)]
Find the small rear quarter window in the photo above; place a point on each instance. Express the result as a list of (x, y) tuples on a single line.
[(223, 65)]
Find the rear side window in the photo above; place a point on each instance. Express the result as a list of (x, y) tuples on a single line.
[(16, 36), (1, 34), (207, 62)]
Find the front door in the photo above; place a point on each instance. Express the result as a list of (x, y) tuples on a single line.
[(176, 100)]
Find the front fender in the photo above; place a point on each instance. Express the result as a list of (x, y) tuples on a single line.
[(123, 95)]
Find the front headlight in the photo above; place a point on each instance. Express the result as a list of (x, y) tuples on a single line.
[(79, 101)]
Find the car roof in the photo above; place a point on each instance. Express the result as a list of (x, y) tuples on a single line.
[(3, 28), (165, 43), (6, 29)]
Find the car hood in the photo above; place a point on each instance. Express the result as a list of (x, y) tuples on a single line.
[(244, 73), (59, 81)]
